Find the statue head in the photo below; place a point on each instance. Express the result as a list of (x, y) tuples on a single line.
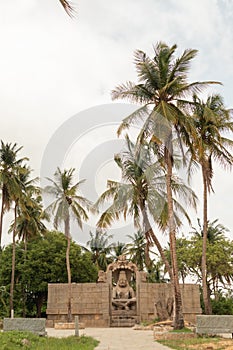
[(122, 280)]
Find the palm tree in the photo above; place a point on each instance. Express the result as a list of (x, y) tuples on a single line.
[(211, 120), (118, 249), (67, 203), (17, 196), (142, 191), (162, 85), (137, 249), (8, 179), (28, 223), (100, 248)]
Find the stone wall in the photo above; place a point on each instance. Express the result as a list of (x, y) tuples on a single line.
[(151, 293), (90, 301)]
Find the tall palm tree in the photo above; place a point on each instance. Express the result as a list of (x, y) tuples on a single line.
[(162, 85), (27, 223), (17, 197), (212, 122), (67, 203), (9, 164), (141, 194)]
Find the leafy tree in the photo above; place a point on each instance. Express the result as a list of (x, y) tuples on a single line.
[(162, 85), (219, 258), (45, 264), (212, 121), (223, 305), (67, 203)]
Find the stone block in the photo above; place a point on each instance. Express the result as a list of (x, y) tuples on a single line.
[(34, 325), (214, 324), (64, 325)]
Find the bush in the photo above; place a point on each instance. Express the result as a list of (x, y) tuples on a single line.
[(222, 305)]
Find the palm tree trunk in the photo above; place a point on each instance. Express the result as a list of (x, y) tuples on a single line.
[(149, 232), (13, 264), (206, 298), (67, 233), (1, 219), (25, 283), (178, 310)]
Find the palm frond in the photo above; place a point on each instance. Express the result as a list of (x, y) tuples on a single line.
[(68, 7)]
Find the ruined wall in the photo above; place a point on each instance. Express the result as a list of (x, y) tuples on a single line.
[(90, 301), (152, 293)]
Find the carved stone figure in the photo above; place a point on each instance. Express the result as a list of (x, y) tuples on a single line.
[(123, 296), (102, 278)]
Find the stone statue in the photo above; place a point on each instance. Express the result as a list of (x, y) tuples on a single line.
[(102, 278), (123, 296)]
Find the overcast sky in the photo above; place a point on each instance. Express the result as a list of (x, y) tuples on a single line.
[(53, 68)]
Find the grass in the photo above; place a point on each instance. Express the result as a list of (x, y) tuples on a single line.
[(183, 330), (196, 343), (24, 340)]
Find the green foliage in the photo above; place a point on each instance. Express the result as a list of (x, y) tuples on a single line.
[(43, 263), (100, 248), (218, 254), (24, 340), (223, 305)]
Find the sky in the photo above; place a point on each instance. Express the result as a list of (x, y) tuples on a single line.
[(57, 74)]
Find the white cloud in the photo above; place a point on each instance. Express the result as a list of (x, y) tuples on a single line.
[(52, 67)]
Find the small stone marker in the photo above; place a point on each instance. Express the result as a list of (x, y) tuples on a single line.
[(76, 326)]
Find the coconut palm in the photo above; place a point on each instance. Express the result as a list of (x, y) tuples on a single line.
[(162, 85), (140, 194), (118, 249), (137, 249), (17, 197), (67, 203), (100, 248), (28, 221), (212, 121), (9, 165)]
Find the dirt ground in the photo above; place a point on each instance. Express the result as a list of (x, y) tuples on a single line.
[(225, 344)]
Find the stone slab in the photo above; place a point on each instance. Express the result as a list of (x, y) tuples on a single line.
[(214, 324), (64, 325), (34, 325)]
